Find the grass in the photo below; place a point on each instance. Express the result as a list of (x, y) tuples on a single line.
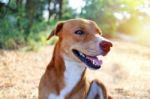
[(125, 71)]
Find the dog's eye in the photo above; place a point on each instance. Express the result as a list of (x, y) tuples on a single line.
[(79, 32)]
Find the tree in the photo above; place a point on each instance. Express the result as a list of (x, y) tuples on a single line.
[(55, 8), (102, 11)]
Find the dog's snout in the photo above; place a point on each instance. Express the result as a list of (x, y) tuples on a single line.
[(105, 45)]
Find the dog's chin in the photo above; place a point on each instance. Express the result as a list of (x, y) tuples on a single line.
[(90, 61)]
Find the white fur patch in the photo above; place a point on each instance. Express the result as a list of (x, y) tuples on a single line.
[(95, 89), (72, 76)]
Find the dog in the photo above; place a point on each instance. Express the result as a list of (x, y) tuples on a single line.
[(79, 44)]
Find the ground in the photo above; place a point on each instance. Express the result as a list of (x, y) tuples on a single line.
[(125, 71)]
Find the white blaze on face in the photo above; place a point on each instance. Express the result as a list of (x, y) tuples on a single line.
[(93, 46), (96, 43), (99, 39)]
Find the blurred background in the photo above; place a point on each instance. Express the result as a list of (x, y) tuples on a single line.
[(28, 22), (25, 52)]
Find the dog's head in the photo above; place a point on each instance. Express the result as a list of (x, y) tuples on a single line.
[(82, 42)]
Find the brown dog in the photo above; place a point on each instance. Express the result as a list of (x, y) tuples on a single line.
[(79, 44)]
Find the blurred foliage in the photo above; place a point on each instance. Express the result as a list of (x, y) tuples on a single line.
[(99, 11), (102, 11), (22, 22), (68, 12), (13, 36)]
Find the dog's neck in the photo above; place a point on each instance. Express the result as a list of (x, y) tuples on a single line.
[(71, 75)]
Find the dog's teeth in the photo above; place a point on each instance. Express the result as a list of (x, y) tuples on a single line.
[(82, 55), (93, 62)]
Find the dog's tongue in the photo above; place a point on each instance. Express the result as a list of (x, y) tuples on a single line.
[(95, 60)]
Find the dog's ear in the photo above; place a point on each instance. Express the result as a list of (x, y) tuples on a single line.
[(56, 30)]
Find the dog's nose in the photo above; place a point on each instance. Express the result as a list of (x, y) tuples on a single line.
[(105, 46)]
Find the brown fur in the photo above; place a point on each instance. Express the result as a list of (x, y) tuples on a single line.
[(53, 79)]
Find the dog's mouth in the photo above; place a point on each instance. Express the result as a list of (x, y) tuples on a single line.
[(91, 61)]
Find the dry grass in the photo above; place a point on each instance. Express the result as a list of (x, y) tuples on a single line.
[(126, 72)]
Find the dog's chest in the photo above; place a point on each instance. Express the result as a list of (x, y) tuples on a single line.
[(72, 75)]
